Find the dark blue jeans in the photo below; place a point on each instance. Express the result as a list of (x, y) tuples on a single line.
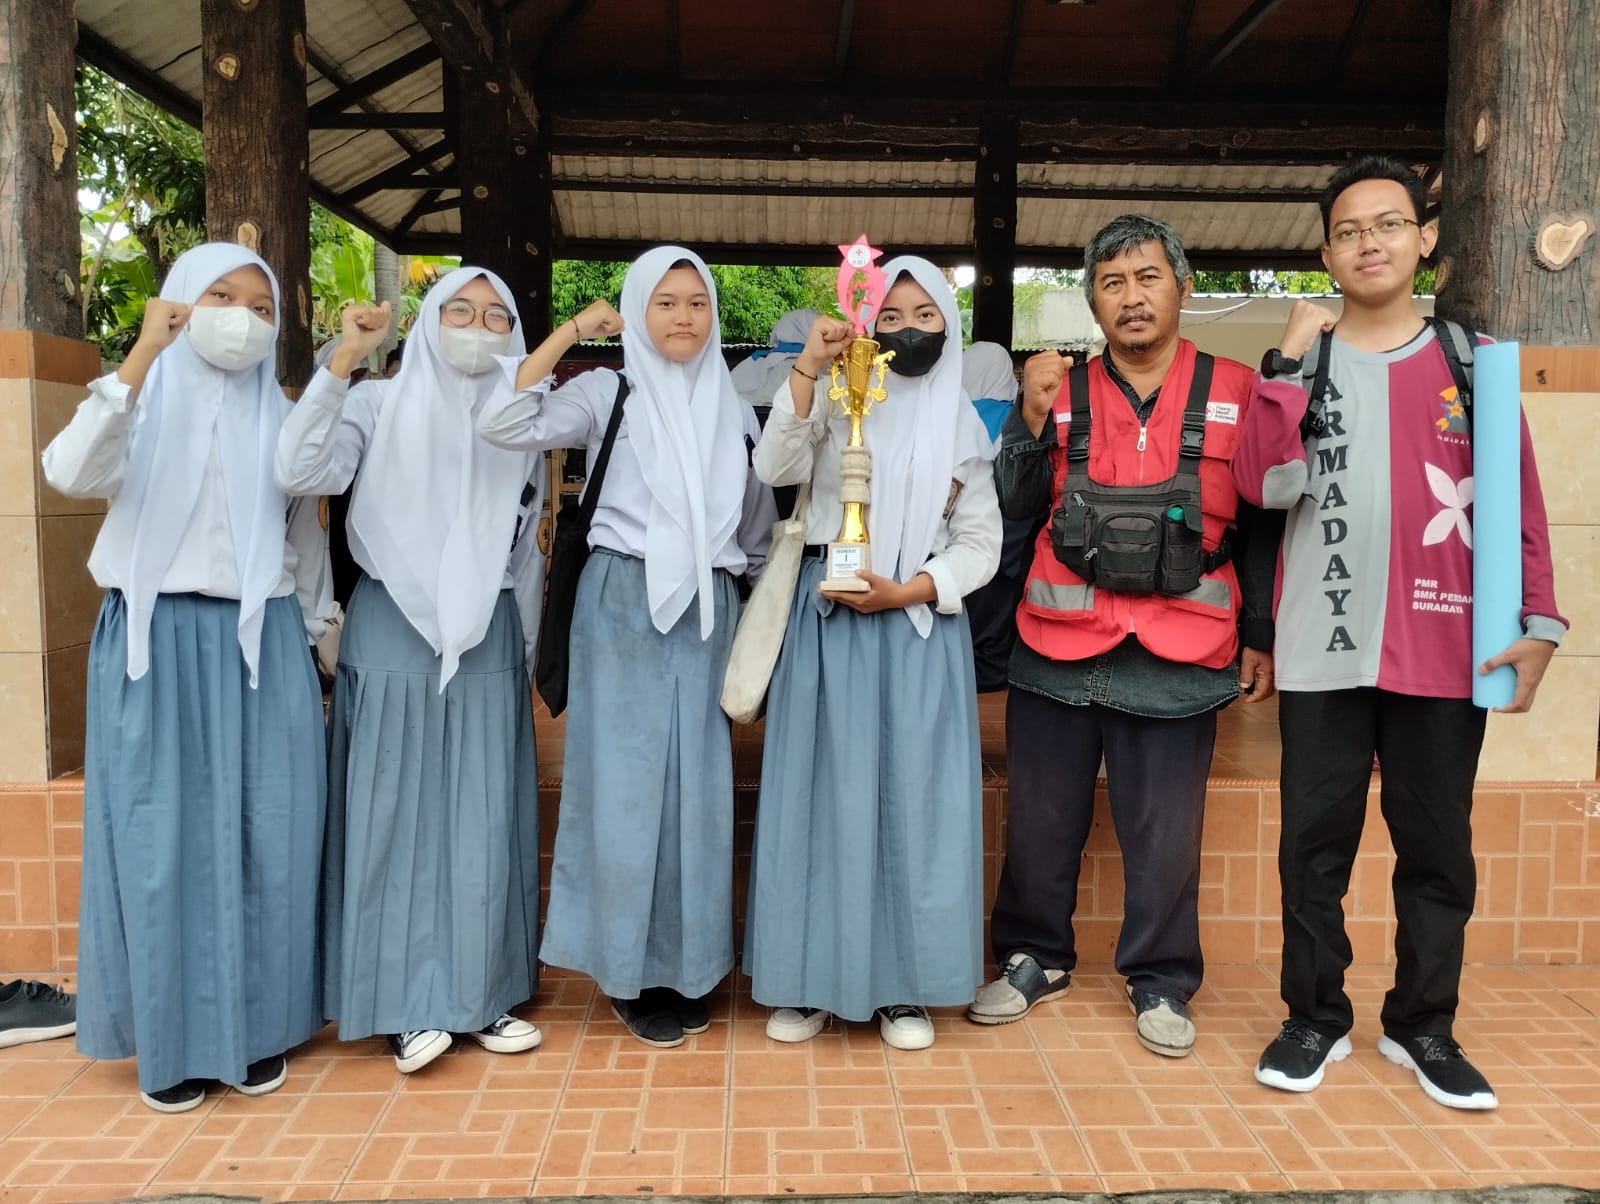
[(1156, 772)]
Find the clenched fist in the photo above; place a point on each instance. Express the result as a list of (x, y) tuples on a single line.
[(1307, 321), (1042, 375), (361, 329), (163, 320), (599, 320)]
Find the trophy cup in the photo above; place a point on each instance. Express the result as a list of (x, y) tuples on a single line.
[(860, 290)]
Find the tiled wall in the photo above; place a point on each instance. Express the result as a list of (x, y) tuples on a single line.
[(48, 601), (1538, 875)]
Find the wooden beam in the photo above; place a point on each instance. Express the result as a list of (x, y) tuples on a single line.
[(97, 52), (1341, 61), (556, 35), (1241, 29), (994, 229), (427, 203), (675, 39), (403, 175), (707, 187), (841, 37), (1008, 53), (472, 39), (391, 72), (1180, 46), (256, 152)]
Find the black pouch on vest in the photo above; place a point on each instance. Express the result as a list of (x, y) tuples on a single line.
[(1136, 539)]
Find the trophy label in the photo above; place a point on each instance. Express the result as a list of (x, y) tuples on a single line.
[(845, 560)]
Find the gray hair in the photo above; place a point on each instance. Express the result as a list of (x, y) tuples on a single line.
[(1123, 234)]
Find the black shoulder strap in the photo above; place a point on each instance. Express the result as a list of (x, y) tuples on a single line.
[(597, 475), (1459, 343), (1312, 423), (1078, 428), (1194, 414)]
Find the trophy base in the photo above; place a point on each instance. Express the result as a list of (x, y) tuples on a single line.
[(843, 562)]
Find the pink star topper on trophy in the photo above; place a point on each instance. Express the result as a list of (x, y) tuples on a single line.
[(862, 283)]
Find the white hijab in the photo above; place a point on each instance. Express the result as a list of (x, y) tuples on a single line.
[(686, 422), (918, 437), (986, 372), (435, 505), (758, 377), (184, 401)]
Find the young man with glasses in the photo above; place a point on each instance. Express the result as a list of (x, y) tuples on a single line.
[(1374, 628)]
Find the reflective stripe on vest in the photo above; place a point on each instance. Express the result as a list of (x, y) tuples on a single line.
[(1212, 591), (1053, 596)]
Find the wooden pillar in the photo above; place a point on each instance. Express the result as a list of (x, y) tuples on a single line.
[(994, 228), (1518, 255), (48, 601), (258, 186), (504, 167), (39, 200), (1519, 259)]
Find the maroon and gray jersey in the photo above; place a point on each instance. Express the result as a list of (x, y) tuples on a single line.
[(1375, 578)]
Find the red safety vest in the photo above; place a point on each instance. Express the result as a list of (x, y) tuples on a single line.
[(1066, 619)]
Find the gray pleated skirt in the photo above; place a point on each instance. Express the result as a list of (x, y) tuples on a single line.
[(866, 888), (203, 809), (642, 890), (431, 864)]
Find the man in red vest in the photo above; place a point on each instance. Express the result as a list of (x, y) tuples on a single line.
[(1130, 633)]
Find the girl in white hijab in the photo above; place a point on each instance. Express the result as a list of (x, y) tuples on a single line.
[(431, 864), (203, 778), (866, 891), (758, 375), (641, 889)]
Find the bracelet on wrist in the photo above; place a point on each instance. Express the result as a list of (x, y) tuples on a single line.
[(804, 373)]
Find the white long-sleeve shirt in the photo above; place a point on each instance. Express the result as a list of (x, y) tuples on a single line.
[(966, 547), (320, 451), (89, 458), (575, 415)]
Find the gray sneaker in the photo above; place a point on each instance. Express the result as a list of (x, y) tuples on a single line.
[(1162, 1023), (1021, 984)]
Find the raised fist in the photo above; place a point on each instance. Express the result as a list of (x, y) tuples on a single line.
[(1042, 375), (163, 320), (598, 321)]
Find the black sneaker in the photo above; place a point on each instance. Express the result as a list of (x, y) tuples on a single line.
[(185, 1097), (693, 1014), (648, 1022), (35, 1011), (1442, 1069), (1295, 1059), (264, 1077)]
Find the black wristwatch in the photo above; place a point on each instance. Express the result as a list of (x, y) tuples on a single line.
[(1275, 363)]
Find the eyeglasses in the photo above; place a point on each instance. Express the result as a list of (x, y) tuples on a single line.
[(1389, 229), (462, 312)]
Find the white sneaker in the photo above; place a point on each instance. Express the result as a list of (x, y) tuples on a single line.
[(795, 1024), (905, 1026), (413, 1051), (508, 1035)]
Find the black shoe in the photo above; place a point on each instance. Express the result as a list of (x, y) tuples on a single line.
[(1442, 1069), (693, 1014), (1295, 1059), (185, 1097), (648, 1022), (35, 1011), (264, 1077)]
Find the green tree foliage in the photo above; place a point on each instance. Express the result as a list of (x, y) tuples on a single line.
[(750, 299)]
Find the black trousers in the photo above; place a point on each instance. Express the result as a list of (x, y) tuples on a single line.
[(1156, 773), (1428, 750)]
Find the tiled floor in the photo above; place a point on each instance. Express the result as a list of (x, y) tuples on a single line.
[(1064, 1101)]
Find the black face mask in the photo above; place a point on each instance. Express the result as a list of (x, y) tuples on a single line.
[(915, 351)]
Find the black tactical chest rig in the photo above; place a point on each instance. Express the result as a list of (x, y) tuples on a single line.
[(1136, 539)]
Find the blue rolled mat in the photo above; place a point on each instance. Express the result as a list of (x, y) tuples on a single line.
[(1496, 517)]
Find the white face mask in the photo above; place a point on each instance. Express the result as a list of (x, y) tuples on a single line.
[(230, 337), (471, 348)]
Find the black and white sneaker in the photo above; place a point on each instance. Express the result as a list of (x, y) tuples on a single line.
[(264, 1077), (414, 1050), (1296, 1058), (184, 1097), (649, 1021), (508, 1035), (1442, 1069), (35, 1011), (1023, 982)]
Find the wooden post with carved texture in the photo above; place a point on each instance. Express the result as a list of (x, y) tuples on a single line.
[(258, 189), (1518, 258)]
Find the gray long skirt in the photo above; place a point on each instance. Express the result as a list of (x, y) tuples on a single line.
[(202, 826), (866, 888), (642, 890), (431, 865)]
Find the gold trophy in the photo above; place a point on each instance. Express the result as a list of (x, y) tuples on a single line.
[(861, 290)]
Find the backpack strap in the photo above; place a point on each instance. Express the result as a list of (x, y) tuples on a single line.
[(1311, 425), (591, 493), (1459, 343), (1078, 428), (1193, 438)]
